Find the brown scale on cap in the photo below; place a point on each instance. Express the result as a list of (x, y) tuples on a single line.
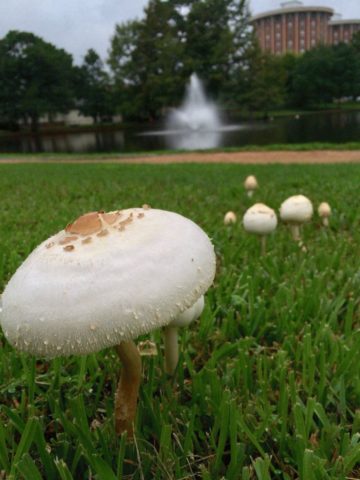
[(95, 223), (126, 222), (86, 224), (92, 222), (103, 233), (50, 244), (69, 248), (67, 240), (110, 218)]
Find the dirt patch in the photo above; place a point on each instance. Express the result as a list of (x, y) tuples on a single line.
[(258, 158)]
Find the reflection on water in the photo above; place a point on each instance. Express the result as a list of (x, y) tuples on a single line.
[(324, 127), (193, 140), (70, 143)]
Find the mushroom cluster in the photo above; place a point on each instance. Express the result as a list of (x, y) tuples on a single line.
[(261, 220), (103, 281)]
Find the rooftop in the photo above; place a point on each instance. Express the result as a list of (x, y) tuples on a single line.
[(292, 6)]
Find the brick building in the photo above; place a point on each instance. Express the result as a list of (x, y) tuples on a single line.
[(296, 28)]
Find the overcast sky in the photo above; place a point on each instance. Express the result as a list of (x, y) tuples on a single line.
[(78, 25)]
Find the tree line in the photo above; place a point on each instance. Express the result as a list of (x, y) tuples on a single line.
[(150, 61)]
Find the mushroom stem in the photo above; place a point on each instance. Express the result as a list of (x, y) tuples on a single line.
[(171, 349), (250, 193), (325, 222), (295, 232), (128, 388), (263, 244)]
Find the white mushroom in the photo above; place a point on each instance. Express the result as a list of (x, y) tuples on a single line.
[(296, 211), (101, 282), (251, 185), (230, 217), (171, 333), (261, 220), (324, 212)]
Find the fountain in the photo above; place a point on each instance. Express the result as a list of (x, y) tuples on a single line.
[(196, 124), (196, 113)]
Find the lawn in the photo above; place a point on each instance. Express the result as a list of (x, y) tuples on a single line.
[(268, 384)]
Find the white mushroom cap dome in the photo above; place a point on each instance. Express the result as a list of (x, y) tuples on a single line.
[(260, 219), (297, 209), (230, 217), (106, 278), (251, 183), (324, 210)]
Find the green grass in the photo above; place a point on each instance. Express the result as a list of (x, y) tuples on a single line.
[(268, 384)]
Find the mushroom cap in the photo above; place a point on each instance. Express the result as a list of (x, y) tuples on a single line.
[(324, 210), (191, 314), (230, 217), (260, 219), (106, 278), (297, 209), (251, 183)]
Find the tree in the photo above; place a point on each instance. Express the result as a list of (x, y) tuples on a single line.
[(93, 88), (146, 59), (326, 73), (260, 84), (152, 59), (36, 78), (217, 35)]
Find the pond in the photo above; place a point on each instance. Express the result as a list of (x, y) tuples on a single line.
[(334, 127)]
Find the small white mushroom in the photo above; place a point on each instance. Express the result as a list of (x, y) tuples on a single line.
[(250, 185), (260, 220), (295, 211), (230, 217), (324, 212), (72, 297)]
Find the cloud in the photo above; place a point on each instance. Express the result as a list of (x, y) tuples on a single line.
[(77, 25)]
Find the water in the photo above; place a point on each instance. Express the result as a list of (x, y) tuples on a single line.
[(323, 127)]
